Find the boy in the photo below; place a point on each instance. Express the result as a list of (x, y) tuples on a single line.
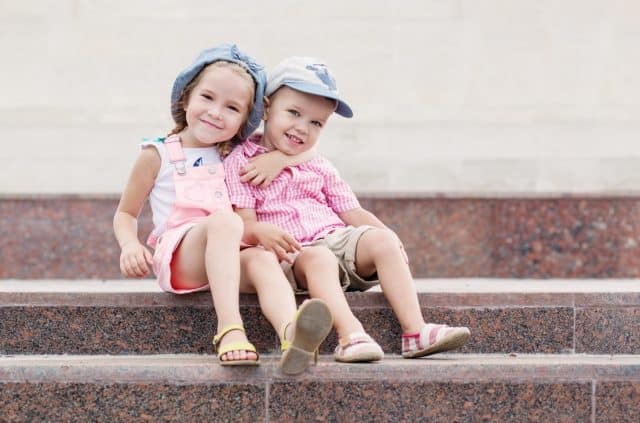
[(310, 218)]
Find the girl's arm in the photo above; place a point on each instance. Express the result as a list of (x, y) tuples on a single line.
[(263, 168), (135, 258)]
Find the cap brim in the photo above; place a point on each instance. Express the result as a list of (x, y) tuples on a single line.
[(342, 109)]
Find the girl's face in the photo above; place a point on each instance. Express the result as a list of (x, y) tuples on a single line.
[(217, 108), (294, 120)]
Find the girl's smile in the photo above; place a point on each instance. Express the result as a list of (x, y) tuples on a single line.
[(217, 108)]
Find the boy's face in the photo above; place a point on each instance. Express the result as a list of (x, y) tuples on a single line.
[(294, 120)]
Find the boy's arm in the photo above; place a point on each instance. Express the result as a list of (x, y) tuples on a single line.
[(263, 169), (359, 216), (134, 257), (271, 237)]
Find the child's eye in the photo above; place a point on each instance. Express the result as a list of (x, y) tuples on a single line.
[(234, 108), (207, 96), (317, 123), (294, 112)]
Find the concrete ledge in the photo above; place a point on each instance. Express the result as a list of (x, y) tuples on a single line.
[(196, 369)]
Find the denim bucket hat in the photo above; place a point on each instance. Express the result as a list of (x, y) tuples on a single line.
[(309, 75), (228, 53)]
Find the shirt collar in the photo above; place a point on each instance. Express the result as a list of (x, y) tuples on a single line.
[(252, 145)]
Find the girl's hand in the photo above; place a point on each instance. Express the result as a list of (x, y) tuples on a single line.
[(135, 260), (262, 169), (279, 242)]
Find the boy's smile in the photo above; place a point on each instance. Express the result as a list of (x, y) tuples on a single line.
[(294, 120)]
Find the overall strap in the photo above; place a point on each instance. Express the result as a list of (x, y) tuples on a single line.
[(176, 155)]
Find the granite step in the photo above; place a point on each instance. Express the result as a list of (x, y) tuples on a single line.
[(461, 388), (123, 317), (71, 237)]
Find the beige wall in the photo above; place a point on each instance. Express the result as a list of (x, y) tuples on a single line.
[(452, 96)]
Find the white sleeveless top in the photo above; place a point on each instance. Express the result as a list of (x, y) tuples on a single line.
[(163, 193)]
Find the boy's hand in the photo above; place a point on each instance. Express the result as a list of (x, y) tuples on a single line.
[(274, 239), (135, 260)]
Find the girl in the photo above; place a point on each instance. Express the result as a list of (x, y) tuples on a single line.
[(216, 102)]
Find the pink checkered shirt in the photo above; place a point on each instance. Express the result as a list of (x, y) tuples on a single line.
[(304, 200)]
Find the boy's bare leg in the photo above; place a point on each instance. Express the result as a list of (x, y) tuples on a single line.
[(316, 269), (378, 251), (209, 253)]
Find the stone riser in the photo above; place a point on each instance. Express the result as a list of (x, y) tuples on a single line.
[(574, 237), (194, 388), (150, 323)]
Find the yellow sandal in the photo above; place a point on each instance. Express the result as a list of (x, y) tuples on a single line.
[(313, 322), (234, 346)]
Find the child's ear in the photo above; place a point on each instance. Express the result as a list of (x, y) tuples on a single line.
[(266, 108)]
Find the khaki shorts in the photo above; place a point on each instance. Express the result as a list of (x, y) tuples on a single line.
[(342, 242)]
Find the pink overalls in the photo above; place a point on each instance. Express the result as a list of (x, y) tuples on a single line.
[(200, 191)]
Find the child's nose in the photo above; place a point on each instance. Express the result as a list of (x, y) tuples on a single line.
[(302, 127), (214, 111)]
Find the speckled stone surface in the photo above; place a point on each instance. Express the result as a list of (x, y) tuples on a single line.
[(617, 402), (186, 387), (608, 330), (75, 402), (573, 237), (145, 323), (567, 238), (507, 329), (119, 330), (434, 402)]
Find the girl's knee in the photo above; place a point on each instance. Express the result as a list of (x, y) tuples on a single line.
[(224, 221)]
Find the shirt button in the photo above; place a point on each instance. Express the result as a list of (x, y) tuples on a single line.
[(218, 194), (212, 170)]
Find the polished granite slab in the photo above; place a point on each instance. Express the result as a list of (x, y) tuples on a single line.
[(71, 237), (447, 388)]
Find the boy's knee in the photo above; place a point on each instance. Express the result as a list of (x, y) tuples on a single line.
[(317, 256), (259, 259), (381, 241)]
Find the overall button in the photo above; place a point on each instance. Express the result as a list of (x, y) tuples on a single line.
[(212, 170)]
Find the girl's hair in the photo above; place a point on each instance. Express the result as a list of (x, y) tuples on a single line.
[(180, 115)]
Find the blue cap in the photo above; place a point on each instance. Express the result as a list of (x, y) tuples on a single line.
[(310, 76), (228, 53)]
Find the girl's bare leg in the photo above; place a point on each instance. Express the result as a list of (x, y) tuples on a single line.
[(209, 254)]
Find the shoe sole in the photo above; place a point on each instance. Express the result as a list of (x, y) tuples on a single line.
[(365, 357), (450, 342), (313, 324), (239, 362)]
